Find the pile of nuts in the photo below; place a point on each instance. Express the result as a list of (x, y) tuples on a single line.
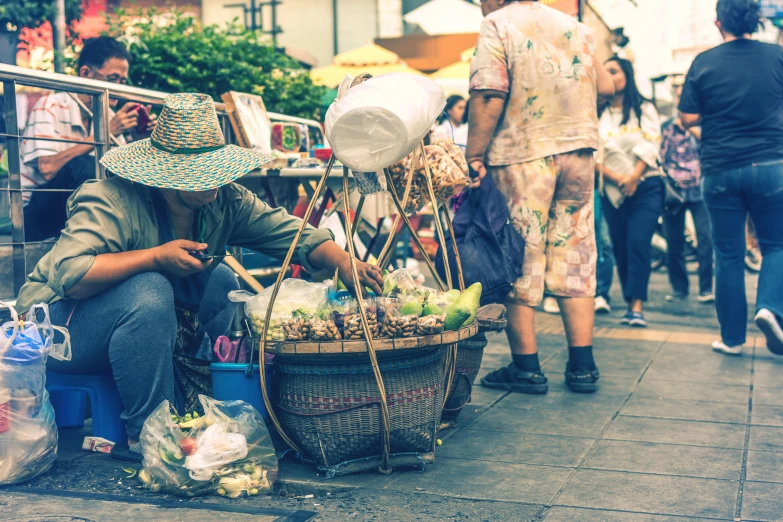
[(352, 324), (399, 326), (324, 330), (431, 325), (297, 329)]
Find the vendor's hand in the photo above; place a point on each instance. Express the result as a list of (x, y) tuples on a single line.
[(477, 172), (628, 185), (125, 119), (174, 258), (369, 276)]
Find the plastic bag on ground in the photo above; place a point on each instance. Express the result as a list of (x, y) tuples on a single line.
[(28, 434), (226, 451)]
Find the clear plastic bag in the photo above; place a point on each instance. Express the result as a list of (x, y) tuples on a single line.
[(297, 299), (394, 324), (400, 282), (351, 319), (324, 326), (28, 434), (226, 451)]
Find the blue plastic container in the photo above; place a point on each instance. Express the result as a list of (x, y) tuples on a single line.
[(230, 382)]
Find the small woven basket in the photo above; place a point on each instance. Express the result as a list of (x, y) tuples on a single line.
[(469, 356), (331, 406)]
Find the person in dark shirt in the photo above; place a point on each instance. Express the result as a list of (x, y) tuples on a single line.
[(735, 92)]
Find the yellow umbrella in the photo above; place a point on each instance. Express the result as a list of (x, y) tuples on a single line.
[(371, 59)]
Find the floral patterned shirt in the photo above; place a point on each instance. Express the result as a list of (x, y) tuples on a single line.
[(543, 59)]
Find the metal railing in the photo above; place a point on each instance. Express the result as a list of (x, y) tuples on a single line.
[(100, 91)]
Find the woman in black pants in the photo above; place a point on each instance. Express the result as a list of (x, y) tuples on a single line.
[(630, 133)]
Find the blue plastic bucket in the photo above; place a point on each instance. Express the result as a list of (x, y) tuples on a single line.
[(230, 382)]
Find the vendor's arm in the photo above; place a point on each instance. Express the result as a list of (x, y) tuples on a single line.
[(489, 87), (272, 230), (95, 251)]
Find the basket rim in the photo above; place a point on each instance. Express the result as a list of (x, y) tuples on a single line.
[(311, 348)]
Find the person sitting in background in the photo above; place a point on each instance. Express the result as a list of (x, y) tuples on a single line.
[(680, 159), (630, 133), (452, 124), (123, 277), (62, 166)]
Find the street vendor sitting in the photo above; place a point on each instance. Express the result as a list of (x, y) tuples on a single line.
[(123, 275)]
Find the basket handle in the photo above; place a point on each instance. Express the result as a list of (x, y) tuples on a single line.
[(436, 214), (383, 258)]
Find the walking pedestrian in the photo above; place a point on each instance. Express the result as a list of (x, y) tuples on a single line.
[(735, 91), (680, 159), (630, 133), (604, 270), (534, 129)]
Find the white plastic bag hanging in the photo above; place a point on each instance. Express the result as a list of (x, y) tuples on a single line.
[(381, 120)]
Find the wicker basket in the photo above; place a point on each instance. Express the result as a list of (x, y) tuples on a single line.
[(469, 356), (331, 405)]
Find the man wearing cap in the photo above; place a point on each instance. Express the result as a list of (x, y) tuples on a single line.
[(125, 256)]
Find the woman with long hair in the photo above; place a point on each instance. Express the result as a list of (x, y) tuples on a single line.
[(735, 92), (453, 123), (630, 136)]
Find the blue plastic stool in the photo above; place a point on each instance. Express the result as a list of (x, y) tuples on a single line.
[(68, 394)]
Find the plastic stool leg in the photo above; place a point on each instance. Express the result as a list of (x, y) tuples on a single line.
[(69, 408), (106, 411)]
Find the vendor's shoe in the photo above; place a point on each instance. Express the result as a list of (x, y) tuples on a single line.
[(127, 454), (510, 378), (769, 324), (721, 347), (582, 381)]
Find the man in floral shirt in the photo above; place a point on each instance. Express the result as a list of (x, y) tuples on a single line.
[(680, 156), (534, 128)]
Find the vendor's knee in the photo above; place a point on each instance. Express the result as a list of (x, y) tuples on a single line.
[(224, 279), (151, 294)]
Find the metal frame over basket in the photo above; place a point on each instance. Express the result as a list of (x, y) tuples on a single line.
[(372, 404)]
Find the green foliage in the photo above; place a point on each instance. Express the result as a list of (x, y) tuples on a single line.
[(174, 52), (15, 14)]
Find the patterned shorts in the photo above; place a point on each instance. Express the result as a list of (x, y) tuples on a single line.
[(550, 201)]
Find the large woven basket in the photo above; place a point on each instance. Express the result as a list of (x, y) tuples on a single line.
[(331, 406), (469, 356)]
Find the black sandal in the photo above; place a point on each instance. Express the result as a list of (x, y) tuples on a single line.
[(510, 378)]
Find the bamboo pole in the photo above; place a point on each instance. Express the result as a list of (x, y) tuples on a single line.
[(385, 418), (436, 215), (414, 236), (280, 277)]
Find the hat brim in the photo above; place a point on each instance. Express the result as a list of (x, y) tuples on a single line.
[(143, 163)]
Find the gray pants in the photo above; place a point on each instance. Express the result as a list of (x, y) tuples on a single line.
[(130, 330)]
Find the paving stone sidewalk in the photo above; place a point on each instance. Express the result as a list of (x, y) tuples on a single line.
[(675, 432)]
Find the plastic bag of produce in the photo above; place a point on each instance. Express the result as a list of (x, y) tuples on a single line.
[(226, 451), (28, 434), (296, 303), (399, 282), (381, 120), (394, 323), (349, 320)]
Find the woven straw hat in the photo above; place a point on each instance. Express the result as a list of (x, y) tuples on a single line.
[(187, 150)]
